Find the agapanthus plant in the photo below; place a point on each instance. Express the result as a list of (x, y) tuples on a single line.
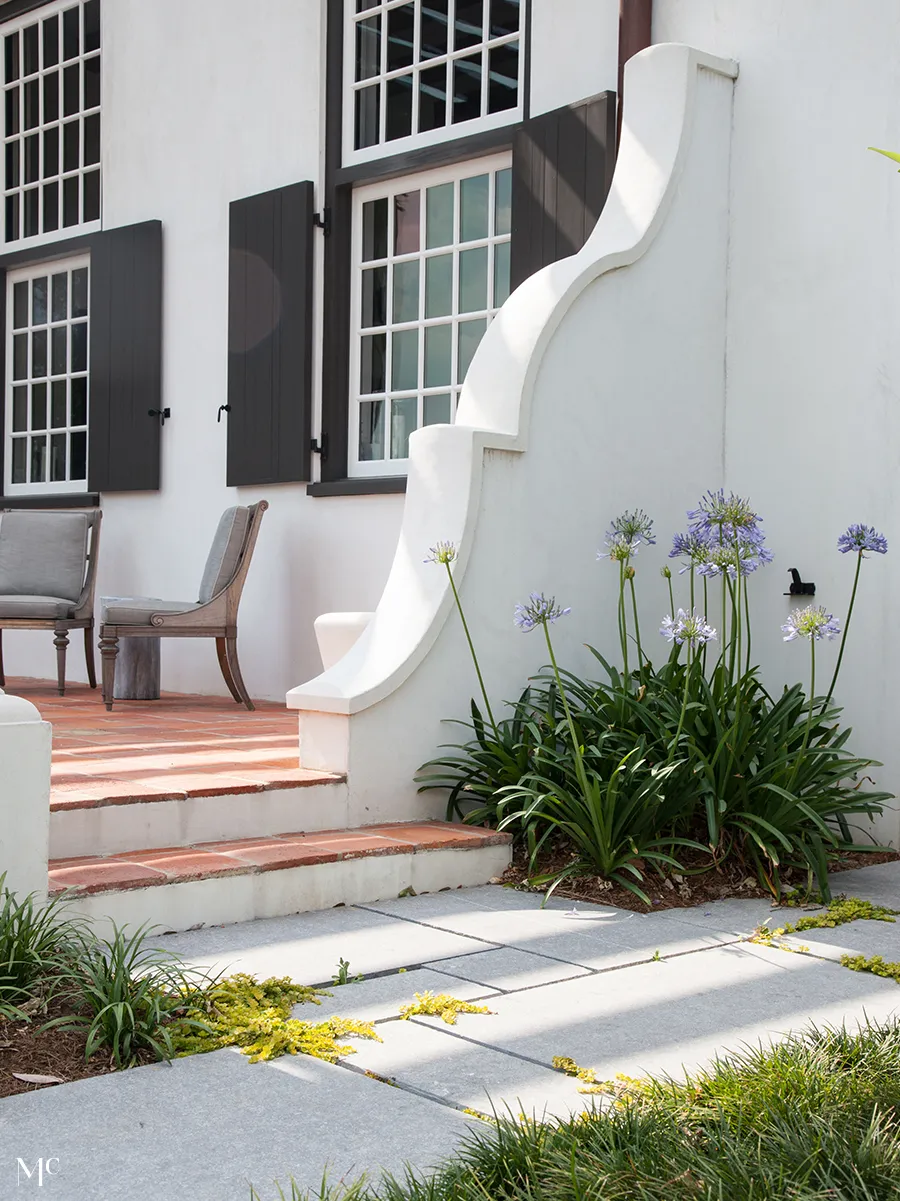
[(860, 540)]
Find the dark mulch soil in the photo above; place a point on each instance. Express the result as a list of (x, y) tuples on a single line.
[(27, 1049), (699, 884)]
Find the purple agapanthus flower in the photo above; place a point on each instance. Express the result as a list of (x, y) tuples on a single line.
[(538, 611), (442, 552), (811, 622), (715, 511), (619, 547), (859, 538), (691, 546), (633, 525), (689, 628)]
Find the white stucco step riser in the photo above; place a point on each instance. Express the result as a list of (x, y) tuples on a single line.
[(226, 899), (144, 825)]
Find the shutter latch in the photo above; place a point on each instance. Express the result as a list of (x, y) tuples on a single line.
[(323, 221), (222, 409), (320, 446), (162, 414)]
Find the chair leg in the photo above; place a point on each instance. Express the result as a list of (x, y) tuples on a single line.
[(61, 642), (226, 670), (234, 667), (109, 649), (89, 655), (2, 676)]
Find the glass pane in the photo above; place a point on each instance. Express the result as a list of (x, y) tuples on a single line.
[(368, 121), (32, 104), (51, 96), (51, 152), (91, 26), (30, 49), (51, 206), (20, 305), (80, 292), (433, 98), (503, 78), (92, 196), (70, 201), (501, 273), (60, 297), (78, 457), (51, 41), (12, 217), (32, 202), (439, 215), (404, 414), (71, 90), (79, 346), (374, 229), (79, 399), (406, 291), (473, 276), (406, 222), (439, 286), (92, 83), (362, 5), (11, 51), (20, 409), (58, 404), (12, 111), (470, 334), (20, 447), (405, 360), (38, 460), (469, 30), (437, 409), (92, 140), (433, 28), (374, 297), (20, 356), (39, 406), (12, 164), (70, 32), (398, 123), (438, 351), (371, 430), (504, 18), (368, 48), (503, 201), (38, 353), (71, 146), (372, 363), (32, 158), (39, 301), (473, 208), (58, 457), (58, 350), (400, 50), (466, 88)]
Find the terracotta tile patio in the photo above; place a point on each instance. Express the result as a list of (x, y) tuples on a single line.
[(176, 747)]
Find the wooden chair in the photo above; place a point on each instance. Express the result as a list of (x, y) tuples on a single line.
[(48, 570), (213, 615)]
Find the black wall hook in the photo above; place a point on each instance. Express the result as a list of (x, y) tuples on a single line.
[(222, 409), (798, 588), (162, 414)]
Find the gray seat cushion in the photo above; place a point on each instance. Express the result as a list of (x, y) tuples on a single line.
[(43, 554), (225, 552), (137, 610), (35, 608)]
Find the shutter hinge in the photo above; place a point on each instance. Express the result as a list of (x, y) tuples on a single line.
[(323, 221), (320, 446)]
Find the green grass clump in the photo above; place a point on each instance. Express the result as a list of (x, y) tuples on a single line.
[(443, 1006), (36, 939), (256, 1016), (808, 1120)]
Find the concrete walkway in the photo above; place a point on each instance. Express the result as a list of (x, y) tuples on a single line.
[(613, 990)]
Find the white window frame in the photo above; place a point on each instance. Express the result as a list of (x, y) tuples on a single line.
[(415, 140), (37, 16), (489, 164), (45, 487)]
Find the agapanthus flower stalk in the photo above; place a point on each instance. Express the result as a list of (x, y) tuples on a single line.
[(539, 611), (813, 623), (859, 539)]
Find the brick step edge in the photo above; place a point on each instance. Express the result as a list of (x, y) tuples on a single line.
[(126, 871)]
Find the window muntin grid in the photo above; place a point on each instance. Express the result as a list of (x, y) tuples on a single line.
[(404, 58), (431, 268), (47, 376), (51, 122)]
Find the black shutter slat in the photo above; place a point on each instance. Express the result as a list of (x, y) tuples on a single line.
[(126, 359), (270, 336), (562, 169)]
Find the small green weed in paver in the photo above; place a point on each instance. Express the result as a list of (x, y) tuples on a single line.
[(342, 976), (656, 957)]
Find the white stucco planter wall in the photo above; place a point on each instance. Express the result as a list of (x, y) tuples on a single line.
[(599, 386), (24, 796)]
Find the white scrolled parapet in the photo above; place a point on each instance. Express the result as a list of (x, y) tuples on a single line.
[(598, 387), (337, 632), (24, 795)]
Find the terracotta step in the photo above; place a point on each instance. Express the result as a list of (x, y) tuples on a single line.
[(237, 880)]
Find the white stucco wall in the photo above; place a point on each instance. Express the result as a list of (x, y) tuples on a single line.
[(574, 51), (813, 352)]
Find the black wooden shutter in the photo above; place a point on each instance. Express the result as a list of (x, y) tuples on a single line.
[(270, 336), (562, 168), (126, 358)]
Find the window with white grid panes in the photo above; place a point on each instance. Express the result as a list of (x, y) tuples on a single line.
[(422, 71), (51, 64), (47, 377), (431, 268)]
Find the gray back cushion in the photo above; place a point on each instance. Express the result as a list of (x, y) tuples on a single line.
[(43, 554), (225, 552)]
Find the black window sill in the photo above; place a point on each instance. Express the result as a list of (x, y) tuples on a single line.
[(376, 486), (60, 500)]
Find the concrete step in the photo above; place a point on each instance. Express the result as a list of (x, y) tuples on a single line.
[(237, 880)]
